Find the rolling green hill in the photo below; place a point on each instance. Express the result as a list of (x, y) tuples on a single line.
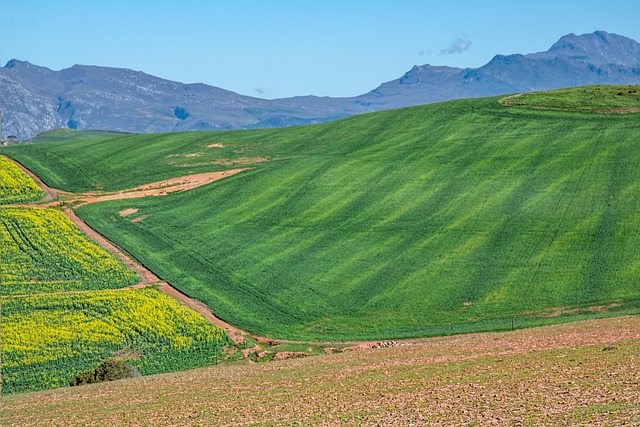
[(429, 220)]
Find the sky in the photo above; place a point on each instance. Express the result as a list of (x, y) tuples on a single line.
[(276, 48)]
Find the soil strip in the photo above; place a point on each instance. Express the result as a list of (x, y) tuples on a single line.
[(160, 188)]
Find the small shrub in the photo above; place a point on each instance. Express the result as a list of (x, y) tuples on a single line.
[(109, 370)]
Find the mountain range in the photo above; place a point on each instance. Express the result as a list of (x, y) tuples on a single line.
[(35, 99)]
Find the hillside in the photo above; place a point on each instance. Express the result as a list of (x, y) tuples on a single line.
[(440, 219), (36, 99)]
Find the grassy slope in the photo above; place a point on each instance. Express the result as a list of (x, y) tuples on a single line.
[(613, 98), (555, 376), (428, 220), (88, 161)]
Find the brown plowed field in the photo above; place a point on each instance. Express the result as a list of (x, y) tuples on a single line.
[(578, 374)]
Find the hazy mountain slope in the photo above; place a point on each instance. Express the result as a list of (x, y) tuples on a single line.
[(87, 97), (35, 99)]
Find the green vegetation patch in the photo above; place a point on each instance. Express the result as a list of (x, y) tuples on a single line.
[(619, 99), (43, 251), (57, 135), (78, 161), (425, 221), (15, 185), (49, 340), (432, 220)]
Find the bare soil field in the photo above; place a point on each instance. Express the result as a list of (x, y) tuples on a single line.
[(578, 374)]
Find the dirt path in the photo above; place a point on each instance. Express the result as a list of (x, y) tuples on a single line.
[(506, 101), (147, 277), (50, 193)]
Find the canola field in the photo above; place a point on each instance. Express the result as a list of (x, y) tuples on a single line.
[(43, 252), (48, 340), (61, 312), (15, 185)]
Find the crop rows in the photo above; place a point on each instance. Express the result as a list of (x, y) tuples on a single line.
[(43, 252), (432, 220), (50, 337), (48, 340), (15, 185)]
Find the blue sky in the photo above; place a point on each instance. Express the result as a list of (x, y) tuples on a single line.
[(277, 48)]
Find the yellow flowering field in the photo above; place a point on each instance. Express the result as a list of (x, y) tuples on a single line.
[(48, 340), (15, 185), (43, 251)]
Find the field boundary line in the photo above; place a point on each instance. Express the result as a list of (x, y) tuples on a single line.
[(147, 277)]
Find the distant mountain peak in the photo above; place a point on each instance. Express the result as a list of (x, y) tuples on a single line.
[(16, 63), (599, 48)]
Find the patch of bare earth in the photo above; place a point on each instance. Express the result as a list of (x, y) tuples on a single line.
[(506, 101), (284, 355), (215, 145), (160, 188), (127, 212), (559, 311), (228, 162)]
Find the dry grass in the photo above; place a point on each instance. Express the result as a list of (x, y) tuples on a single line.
[(558, 375)]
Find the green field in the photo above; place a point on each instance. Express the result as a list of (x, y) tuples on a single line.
[(43, 251), (604, 99), (49, 340), (439, 219)]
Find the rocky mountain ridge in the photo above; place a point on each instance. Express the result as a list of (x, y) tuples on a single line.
[(34, 99)]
